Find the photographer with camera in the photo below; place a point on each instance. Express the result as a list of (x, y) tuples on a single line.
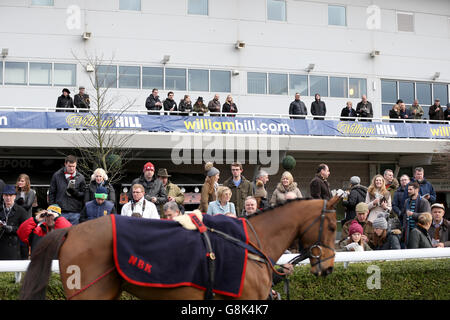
[(67, 189), (11, 217), (33, 229)]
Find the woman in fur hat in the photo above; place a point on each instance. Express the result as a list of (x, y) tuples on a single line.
[(209, 188), (286, 185)]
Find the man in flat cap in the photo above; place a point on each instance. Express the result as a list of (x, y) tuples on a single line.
[(81, 100)]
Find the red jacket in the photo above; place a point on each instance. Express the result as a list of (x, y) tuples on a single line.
[(30, 228)]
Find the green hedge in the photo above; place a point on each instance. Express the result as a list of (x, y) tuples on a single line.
[(400, 280)]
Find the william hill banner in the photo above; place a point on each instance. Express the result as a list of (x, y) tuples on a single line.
[(238, 125)]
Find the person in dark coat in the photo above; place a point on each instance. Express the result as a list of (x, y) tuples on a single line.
[(357, 194), (400, 195), (99, 207), (229, 107), (2, 185), (199, 107), (426, 188), (383, 237), (394, 113), (318, 107), (319, 186), (67, 189), (169, 104), (81, 100), (11, 217), (440, 228), (447, 112), (419, 237), (64, 102), (185, 106), (214, 106), (364, 108), (436, 111), (348, 111), (25, 196), (99, 179), (240, 187), (153, 104), (297, 108), (154, 188)]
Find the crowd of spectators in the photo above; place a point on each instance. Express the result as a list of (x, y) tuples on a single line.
[(385, 215)]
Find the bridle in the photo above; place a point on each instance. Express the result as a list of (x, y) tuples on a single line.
[(307, 253)]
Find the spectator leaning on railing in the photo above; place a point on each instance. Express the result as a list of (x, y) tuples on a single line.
[(318, 108), (348, 111), (416, 110), (447, 112), (435, 112), (153, 104), (214, 106), (297, 108), (229, 107), (364, 108)]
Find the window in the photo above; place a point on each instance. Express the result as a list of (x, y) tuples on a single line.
[(198, 7), (16, 72), (423, 93), (357, 87), (318, 84), (276, 10), (338, 87), (134, 5), (107, 76), (175, 79), (278, 83), (405, 22), (1, 73), (336, 16), (298, 83), (440, 91), (152, 77), (40, 74), (129, 77), (220, 81), (64, 74), (42, 3), (388, 91), (385, 108), (198, 80), (406, 92), (257, 82)]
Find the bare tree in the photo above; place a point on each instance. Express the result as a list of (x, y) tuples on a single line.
[(101, 143)]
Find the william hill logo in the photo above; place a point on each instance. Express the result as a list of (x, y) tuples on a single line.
[(86, 121), (372, 130)]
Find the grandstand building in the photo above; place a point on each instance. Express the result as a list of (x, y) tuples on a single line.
[(260, 51)]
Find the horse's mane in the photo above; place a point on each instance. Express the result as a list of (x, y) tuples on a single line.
[(277, 206)]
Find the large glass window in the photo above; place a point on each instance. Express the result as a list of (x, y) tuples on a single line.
[(16, 72), (129, 77), (198, 80), (134, 5), (338, 87), (385, 108), (107, 76), (336, 16), (64, 74), (220, 81), (40, 74), (257, 82), (198, 7), (42, 2), (276, 10), (357, 87), (423, 93), (389, 91), (440, 91), (175, 79), (298, 83), (278, 83), (152, 77), (406, 91), (318, 84)]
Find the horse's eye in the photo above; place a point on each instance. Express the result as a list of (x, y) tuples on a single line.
[(332, 227)]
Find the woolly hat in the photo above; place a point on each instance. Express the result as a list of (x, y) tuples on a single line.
[(380, 222), (54, 208), (101, 193), (362, 207), (260, 192), (355, 227), (211, 170), (355, 180), (148, 166)]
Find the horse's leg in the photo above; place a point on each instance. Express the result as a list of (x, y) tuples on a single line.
[(88, 253)]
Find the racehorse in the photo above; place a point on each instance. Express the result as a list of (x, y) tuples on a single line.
[(89, 246)]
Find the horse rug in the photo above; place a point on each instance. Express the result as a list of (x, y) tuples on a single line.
[(161, 253)]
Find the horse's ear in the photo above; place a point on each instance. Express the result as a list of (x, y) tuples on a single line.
[(331, 204)]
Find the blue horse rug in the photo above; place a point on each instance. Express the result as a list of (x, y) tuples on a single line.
[(163, 254)]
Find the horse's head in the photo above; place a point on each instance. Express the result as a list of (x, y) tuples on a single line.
[(318, 234)]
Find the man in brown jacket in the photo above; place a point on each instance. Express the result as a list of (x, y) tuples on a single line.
[(319, 186), (240, 187), (173, 191), (362, 212), (440, 227)]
